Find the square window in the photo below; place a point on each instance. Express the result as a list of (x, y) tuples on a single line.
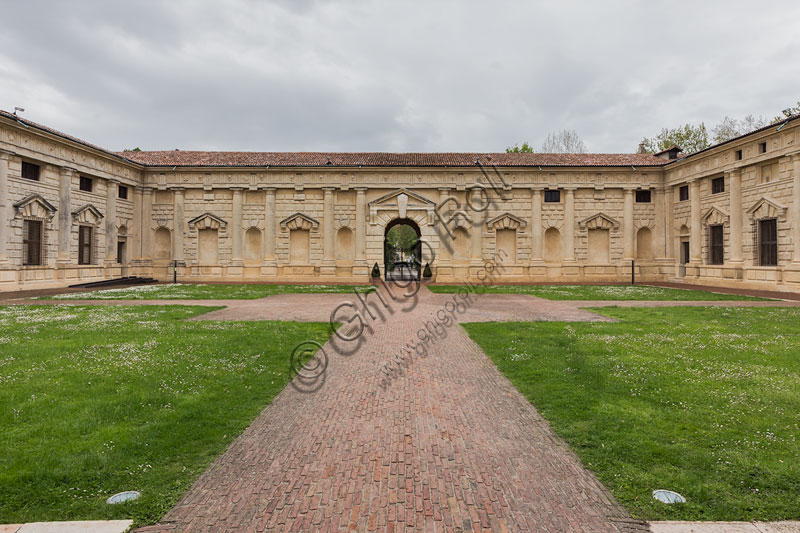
[(762, 148), (643, 197), (86, 184), (683, 193), (30, 171), (123, 192), (717, 185), (716, 248), (738, 155), (552, 196)]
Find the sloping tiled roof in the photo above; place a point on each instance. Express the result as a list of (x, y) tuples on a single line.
[(384, 159)]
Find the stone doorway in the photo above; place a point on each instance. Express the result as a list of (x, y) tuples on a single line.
[(402, 250)]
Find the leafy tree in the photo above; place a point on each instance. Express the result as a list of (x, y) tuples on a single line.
[(525, 148), (788, 112), (688, 137), (137, 149), (563, 142), (730, 128)]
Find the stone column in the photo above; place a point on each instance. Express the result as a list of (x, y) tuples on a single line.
[(695, 246), (536, 225), (476, 231), (661, 223), (65, 214), (112, 187), (268, 266), (178, 223), (146, 223), (5, 207), (328, 234), (668, 222), (735, 182), (796, 208), (236, 226), (628, 236), (569, 224)]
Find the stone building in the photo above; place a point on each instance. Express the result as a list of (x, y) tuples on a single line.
[(73, 212)]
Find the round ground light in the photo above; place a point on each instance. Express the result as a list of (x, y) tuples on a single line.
[(121, 497), (668, 496)]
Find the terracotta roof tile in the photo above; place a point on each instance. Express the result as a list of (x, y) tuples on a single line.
[(384, 159)]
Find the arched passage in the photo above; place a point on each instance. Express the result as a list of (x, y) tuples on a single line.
[(402, 250)]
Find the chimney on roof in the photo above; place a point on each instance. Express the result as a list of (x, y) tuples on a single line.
[(669, 153), (642, 149)]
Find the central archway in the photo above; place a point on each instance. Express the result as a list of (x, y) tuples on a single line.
[(402, 250)]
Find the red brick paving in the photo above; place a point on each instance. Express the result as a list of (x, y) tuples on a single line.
[(449, 445)]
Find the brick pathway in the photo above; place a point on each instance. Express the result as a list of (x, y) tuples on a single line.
[(449, 445)]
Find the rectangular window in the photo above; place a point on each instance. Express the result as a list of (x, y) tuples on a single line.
[(738, 155), (552, 196), (30, 171), (31, 242), (717, 185), (84, 245), (123, 192), (768, 242), (762, 148), (683, 193), (717, 251), (643, 197), (86, 184)]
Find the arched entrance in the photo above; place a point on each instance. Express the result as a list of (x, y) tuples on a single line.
[(402, 250)]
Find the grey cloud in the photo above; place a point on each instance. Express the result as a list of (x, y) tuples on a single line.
[(449, 76)]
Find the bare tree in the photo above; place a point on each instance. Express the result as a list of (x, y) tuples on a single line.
[(730, 127), (563, 142)]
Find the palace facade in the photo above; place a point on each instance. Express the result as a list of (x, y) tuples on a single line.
[(73, 213)]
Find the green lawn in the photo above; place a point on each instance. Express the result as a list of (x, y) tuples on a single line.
[(599, 292), (97, 400), (698, 400), (190, 291)]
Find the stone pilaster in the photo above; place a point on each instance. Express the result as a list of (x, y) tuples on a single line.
[(269, 265), (661, 223), (735, 182), (360, 266), (796, 208), (328, 234), (179, 223), (112, 187), (136, 237), (569, 224), (445, 242), (146, 223), (476, 231), (236, 226), (536, 225), (628, 236), (695, 244), (64, 214), (5, 207)]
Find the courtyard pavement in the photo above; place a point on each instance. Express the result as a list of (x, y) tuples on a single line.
[(391, 438)]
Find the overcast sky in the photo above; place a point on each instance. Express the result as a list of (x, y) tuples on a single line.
[(392, 76)]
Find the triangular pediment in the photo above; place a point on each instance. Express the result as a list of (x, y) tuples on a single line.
[(506, 221), (34, 206), (766, 208), (207, 221), (392, 198), (88, 214), (715, 217), (299, 221), (599, 221)]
